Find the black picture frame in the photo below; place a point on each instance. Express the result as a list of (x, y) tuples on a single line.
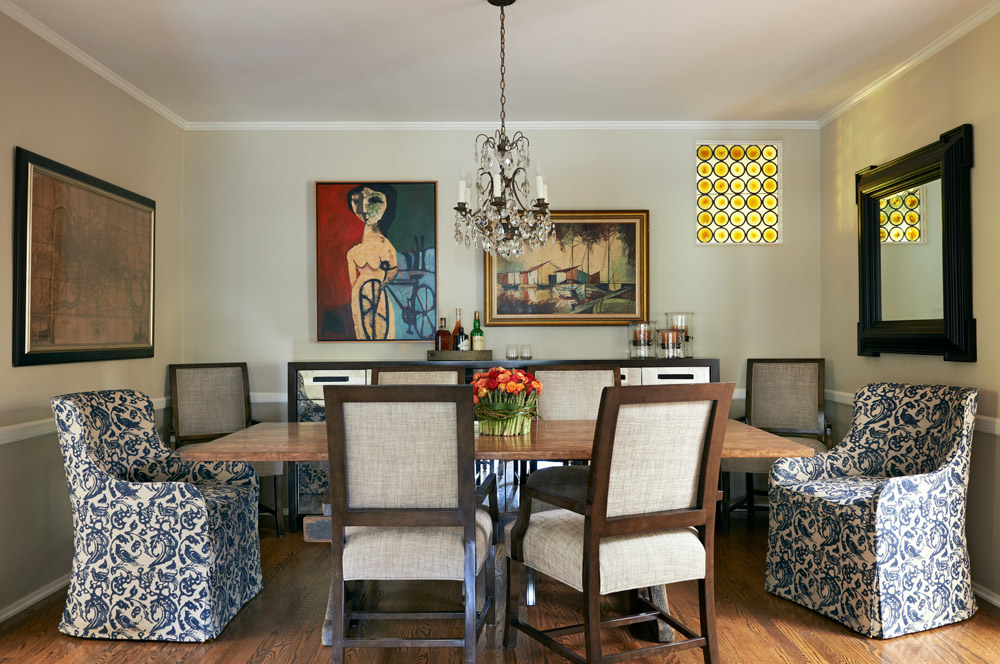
[(953, 336), (84, 254)]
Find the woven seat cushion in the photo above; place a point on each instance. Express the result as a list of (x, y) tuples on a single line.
[(569, 481), (839, 490), (553, 545), (763, 466), (225, 501), (382, 553)]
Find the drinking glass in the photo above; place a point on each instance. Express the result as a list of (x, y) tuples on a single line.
[(525, 352), (511, 352)]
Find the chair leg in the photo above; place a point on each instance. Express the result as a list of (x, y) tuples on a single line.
[(337, 616), (592, 624), (727, 496), (706, 592), (751, 508), (469, 587), (279, 513), (513, 600)]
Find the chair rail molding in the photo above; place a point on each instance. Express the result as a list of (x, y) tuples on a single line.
[(984, 423), (13, 433)]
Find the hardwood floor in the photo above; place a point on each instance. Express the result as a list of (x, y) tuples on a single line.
[(282, 624)]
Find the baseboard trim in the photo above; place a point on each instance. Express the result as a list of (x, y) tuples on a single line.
[(986, 595), (38, 595)]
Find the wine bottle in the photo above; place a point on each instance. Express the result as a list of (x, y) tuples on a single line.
[(477, 339), (442, 338)]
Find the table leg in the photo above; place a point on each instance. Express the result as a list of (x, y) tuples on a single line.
[(293, 497), (658, 596)]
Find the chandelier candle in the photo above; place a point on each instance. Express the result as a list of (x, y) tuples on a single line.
[(495, 210)]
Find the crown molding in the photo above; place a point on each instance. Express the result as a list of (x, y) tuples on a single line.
[(910, 63), (31, 23), (570, 125)]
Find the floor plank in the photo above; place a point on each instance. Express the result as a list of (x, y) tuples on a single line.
[(283, 624)]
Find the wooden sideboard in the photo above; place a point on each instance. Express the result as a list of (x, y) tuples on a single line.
[(307, 379)]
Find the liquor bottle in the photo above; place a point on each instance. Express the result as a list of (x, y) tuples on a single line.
[(460, 341), (458, 323), (476, 335), (442, 338)]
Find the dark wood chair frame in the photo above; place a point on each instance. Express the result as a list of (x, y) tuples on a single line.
[(464, 516), (277, 511), (598, 525), (821, 433), (423, 369)]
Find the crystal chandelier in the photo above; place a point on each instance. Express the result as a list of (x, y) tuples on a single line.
[(493, 209)]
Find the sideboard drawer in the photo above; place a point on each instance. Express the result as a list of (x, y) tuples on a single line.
[(631, 376), (312, 381), (671, 375)]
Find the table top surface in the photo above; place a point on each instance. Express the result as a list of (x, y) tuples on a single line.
[(549, 440)]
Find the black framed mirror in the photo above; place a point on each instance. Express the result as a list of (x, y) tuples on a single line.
[(915, 252)]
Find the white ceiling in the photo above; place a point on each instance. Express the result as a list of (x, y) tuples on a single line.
[(399, 61)]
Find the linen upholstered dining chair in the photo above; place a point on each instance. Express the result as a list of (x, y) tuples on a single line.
[(647, 518), (418, 375), (213, 399), (569, 392), (784, 397), (313, 476), (163, 549), (872, 533), (409, 517)]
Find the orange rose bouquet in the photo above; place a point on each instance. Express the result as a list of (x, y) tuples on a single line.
[(506, 401)]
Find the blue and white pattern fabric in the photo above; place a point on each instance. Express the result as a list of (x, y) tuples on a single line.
[(164, 549), (872, 533)]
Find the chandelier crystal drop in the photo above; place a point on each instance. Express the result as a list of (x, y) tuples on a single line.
[(495, 208)]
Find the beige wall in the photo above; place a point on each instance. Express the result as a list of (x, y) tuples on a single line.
[(249, 242), (54, 106), (953, 87)]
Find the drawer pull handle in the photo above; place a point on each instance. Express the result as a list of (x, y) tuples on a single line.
[(675, 376), (331, 379)]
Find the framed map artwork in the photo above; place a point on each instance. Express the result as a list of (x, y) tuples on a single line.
[(83, 266), (376, 261), (594, 271)]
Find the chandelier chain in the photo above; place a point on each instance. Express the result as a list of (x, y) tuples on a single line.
[(503, 85)]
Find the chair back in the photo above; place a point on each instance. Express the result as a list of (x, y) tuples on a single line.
[(451, 375), (110, 431), (209, 400), (396, 447), (657, 448), (786, 396), (573, 392), (901, 429)]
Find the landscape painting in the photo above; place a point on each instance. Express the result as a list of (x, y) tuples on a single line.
[(376, 266), (593, 272)]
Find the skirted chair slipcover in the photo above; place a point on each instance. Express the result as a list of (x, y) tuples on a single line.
[(872, 533), (164, 549)]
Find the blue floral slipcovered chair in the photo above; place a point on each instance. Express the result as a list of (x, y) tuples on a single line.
[(872, 533), (164, 549)]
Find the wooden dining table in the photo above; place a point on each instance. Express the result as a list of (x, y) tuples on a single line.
[(564, 440), (571, 440)]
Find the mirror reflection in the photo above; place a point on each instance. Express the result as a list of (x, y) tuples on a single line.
[(911, 249)]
